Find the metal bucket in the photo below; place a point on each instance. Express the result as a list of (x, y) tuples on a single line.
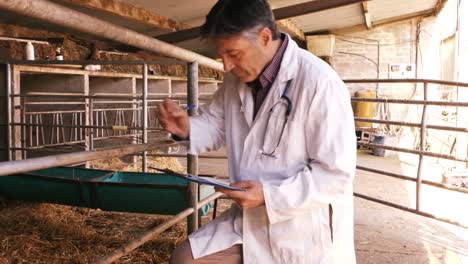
[(380, 140)]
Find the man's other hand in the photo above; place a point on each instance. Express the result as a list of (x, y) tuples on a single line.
[(174, 119), (252, 197)]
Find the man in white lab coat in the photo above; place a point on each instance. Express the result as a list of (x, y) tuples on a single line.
[(286, 120)]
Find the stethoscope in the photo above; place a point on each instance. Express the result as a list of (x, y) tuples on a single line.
[(284, 99)]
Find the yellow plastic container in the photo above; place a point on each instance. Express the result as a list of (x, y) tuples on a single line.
[(364, 109)]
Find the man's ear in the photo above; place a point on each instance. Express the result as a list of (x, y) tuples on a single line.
[(265, 36)]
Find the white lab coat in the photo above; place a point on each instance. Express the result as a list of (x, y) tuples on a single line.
[(314, 166)]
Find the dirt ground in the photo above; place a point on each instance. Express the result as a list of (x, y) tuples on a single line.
[(387, 235)]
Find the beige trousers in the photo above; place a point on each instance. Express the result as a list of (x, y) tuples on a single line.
[(183, 255)]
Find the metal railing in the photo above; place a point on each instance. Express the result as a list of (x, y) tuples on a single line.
[(423, 126), (84, 126)]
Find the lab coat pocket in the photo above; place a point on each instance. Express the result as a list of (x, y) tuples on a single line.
[(304, 239), (288, 239)]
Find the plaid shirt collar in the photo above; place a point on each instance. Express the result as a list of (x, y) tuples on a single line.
[(267, 77)]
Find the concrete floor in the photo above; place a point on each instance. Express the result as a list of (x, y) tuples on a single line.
[(387, 235)]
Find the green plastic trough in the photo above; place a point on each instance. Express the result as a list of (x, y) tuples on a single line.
[(152, 193)]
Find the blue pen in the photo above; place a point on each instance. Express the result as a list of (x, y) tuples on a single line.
[(189, 107)]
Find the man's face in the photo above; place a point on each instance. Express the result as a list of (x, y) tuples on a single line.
[(242, 56)]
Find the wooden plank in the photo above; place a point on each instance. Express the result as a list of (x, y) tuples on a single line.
[(366, 14), (181, 35), (375, 24), (280, 14), (291, 28), (439, 6), (311, 7), (424, 13), (131, 12)]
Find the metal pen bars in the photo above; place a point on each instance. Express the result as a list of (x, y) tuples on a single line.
[(89, 121), (423, 126)]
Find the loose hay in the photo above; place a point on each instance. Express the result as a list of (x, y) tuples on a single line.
[(48, 233), (118, 164)]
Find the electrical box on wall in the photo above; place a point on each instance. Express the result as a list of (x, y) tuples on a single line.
[(401, 71)]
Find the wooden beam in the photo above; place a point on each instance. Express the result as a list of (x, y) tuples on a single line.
[(182, 35), (131, 12), (439, 6), (288, 26), (365, 12), (280, 13), (311, 7), (422, 14), (375, 24)]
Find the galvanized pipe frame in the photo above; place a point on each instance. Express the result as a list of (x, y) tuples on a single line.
[(57, 14), (66, 17), (394, 175), (422, 147), (412, 102), (91, 97), (406, 178), (152, 98), (416, 152), (185, 156), (144, 121), (83, 126), (404, 208), (77, 142), (154, 232), (23, 129), (192, 160), (86, 99), (459, 84), (90, 131), (9, 95), (20, 166), (409, 124), (422, 153)]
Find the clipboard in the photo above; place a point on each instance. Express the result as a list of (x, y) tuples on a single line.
[(200, 180)]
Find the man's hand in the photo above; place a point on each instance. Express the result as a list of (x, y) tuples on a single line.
[(252, 197), (174, 119)]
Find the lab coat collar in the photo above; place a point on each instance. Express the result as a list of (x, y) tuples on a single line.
[(288, 70)]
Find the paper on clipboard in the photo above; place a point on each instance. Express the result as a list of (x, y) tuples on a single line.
[(201, 180)]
